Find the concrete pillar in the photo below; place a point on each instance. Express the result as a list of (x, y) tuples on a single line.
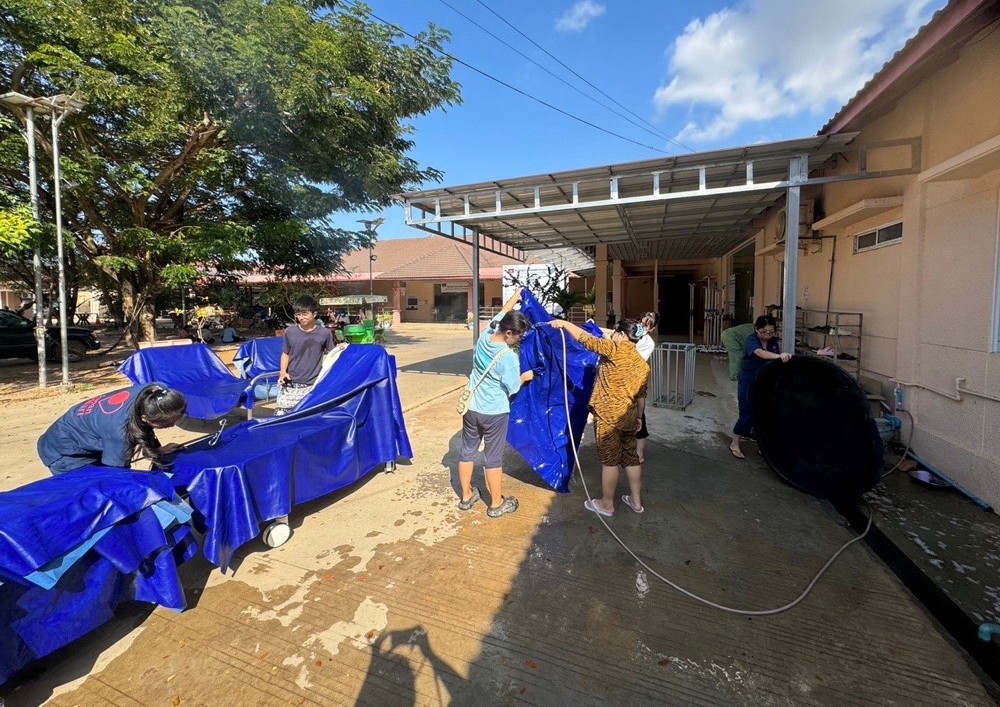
[(617, 297), (601, 285), (656, 285), (397, 303)]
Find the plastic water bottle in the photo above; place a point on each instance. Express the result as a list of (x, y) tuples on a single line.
[(898, 393)]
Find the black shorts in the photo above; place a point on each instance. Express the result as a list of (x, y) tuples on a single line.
[(477, 426)]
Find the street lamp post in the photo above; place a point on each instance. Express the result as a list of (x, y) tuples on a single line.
[(58, 107), (371, 226), (70, 105), (15, 100)]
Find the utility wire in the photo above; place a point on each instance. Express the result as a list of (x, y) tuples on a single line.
[(654, 132), (562, 64), (504, 83)]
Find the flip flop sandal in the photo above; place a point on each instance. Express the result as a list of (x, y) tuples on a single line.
[(594, 508), (627, 500)]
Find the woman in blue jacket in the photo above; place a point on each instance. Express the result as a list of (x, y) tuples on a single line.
[(109, 429), (762, 347)]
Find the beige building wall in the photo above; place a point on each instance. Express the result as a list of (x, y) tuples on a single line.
[(928, 301), (423, 291), (424, 294)]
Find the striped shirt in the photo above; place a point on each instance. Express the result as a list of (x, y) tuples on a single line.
[(622, 377)]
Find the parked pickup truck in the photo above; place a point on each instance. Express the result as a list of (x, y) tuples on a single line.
[(17, 339)]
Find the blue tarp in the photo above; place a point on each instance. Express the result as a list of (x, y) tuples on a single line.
[(258, 356), (74, 546), (538, 428), (350, 423), (210, 387)]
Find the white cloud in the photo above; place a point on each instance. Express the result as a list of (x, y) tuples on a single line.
[(766, 59), (579, 16)]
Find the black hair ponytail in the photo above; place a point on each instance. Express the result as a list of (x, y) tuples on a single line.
[(159, 405), (629, 328)]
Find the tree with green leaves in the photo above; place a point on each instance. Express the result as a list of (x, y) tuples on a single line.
[(218, 136)]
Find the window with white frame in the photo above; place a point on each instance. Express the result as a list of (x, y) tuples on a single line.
[(879, 237)]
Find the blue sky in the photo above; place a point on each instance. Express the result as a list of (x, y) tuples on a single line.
[(704, 74)]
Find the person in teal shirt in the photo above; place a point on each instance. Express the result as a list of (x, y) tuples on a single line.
[(496, 375)]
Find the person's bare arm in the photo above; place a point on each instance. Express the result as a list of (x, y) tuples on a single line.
[(283, 369), (770, 356), (571, 328), (514, 299)]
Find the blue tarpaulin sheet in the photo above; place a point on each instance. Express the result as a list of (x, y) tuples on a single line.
[(348, 424), (538, 428), (74, 546), (258, 356), (210, 387)]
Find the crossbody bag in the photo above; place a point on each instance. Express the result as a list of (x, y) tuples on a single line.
[(466, 399)]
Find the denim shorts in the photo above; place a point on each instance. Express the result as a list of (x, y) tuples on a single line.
[(477, 426)]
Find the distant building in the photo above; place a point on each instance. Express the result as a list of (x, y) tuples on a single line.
[(425, 279)]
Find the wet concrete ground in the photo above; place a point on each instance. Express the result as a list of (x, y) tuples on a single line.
[(387, 594)]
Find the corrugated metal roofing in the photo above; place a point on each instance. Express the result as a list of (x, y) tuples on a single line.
[(694, 206)]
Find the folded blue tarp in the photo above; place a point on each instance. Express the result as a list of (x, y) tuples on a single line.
[(210, 387), (348, 424), (538, 428), (74, 546)]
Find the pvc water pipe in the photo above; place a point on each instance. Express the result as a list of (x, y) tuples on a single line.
[(956, 396), (941, 475)]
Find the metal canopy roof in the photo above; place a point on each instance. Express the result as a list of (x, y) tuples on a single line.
[(694, 206)]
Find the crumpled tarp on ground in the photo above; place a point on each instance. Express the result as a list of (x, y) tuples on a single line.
[(348, 424), (538, 428), (74, 546), (210, 387)]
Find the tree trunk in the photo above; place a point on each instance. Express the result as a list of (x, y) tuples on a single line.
[(139, 314)]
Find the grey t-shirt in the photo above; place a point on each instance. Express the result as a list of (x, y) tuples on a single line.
[(305, 352)]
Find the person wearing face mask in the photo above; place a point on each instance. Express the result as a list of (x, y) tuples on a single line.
[(762, 347), (617, 404)]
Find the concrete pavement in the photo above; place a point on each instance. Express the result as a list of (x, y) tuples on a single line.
[(387, 594)]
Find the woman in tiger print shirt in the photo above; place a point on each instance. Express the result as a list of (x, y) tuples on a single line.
[(616, 403)]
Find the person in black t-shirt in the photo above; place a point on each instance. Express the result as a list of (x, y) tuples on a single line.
[(306, 342)]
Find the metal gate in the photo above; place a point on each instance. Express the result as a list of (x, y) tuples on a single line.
[(671, 379)]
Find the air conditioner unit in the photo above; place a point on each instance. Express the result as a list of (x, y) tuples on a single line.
[(805, 221)]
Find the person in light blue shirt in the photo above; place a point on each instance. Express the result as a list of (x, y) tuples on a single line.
[(496, 375)]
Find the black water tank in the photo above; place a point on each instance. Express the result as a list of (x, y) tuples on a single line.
[(815, 427)]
